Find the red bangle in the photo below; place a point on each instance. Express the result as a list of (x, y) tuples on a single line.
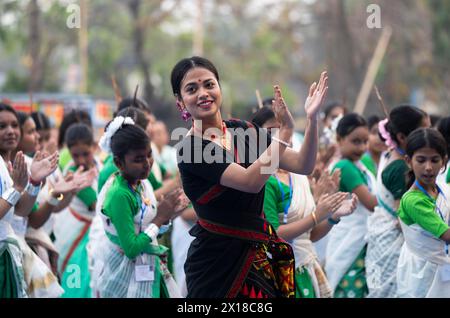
[(35, 183)]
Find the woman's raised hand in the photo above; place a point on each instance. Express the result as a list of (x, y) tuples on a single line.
[(42, 165), (280, 109), (316, 96), (19, 172)]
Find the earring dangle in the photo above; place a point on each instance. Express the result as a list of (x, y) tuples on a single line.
[(185, 115)]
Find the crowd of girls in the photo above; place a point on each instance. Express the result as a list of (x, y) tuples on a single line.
[(357, 209)]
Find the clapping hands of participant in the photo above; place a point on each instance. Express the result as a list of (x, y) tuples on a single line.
[(43, 165), (170, 206), (19, 172), (74, 182), (316, 96), (326, 184), (346, 207), (328, 204)]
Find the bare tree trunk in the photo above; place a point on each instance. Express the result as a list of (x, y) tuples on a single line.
[(35, 81), (138, 42), (339, 50)]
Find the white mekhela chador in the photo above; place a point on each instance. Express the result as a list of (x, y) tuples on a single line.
[(302, 205), (39, 280), (346, 239), (424, 265), (384, 241), (118, 278)]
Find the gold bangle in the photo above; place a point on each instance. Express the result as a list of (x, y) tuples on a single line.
[(59, 198), (313, 214)]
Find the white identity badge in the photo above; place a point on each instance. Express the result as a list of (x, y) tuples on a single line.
[(145, 272)]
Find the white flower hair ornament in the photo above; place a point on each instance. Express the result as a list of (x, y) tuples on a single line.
[(330, 133), (113, 127)]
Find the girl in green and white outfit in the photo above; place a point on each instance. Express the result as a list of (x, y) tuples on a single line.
[(444, 129), (384, 237), (346, 247), (134, 264), (71, 227), (289, 206), (424, 265)]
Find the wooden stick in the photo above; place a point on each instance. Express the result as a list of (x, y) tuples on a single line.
[(31, 101), (135, 95), (117, 95), (380, 100), (372, 71), (258, 97)]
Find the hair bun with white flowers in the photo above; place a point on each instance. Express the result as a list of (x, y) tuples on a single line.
[(113, 127)]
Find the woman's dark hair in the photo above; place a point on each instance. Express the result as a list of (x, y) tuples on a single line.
[(22, 117), (372, 121), (79, 133), (404, 119), (75, 116), (8, 108), (348, 123), (443, 127), (41, 120), (135, 103), (136, 114), (184, 66), (128, 137), (424, 138), (332, 105), (262, 115)]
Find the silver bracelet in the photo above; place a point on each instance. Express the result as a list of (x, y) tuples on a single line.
[(32, 190), (12, 196), (282, 142)]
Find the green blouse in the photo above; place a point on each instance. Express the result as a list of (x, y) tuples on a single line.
[(394, 178), (121, 206), (418, 208), (274, 202), (370, 164), (351, 176)]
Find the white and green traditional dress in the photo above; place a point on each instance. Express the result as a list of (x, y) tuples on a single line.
[(126, 214), (424, 265), (40, 281), (384, 237), (346, 249), (12, 280), (71, 229), (285, 204)]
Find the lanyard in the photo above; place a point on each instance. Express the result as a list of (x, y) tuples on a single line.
[(400, 151), (418, 185), (142, 204), (287, 205)]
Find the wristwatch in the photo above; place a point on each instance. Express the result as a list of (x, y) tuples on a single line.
[(12, 196)]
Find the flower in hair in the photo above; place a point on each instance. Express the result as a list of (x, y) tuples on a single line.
[(330, 133), (385, 134), (113, 127)]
